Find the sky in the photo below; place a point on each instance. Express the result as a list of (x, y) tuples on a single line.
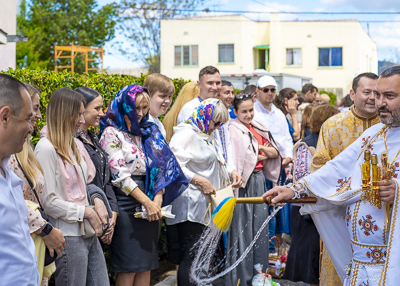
[(384, 29)]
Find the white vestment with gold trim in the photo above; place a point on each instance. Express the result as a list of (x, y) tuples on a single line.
[(362, 250)]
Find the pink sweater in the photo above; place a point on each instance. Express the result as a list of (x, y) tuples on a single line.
[(72, 176)]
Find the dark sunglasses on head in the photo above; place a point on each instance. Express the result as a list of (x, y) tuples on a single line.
[(243, 95), (265, 90), (216, 124)]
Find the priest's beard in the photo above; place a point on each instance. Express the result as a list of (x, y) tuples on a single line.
[(393, 119)]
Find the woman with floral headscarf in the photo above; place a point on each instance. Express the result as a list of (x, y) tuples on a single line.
[(203, 164), (148, 176)]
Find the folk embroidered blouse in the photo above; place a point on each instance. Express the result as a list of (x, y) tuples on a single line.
[(35, 220), (125, 157)]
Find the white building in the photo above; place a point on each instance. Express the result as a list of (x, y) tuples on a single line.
[(8, 26), (332, 53)]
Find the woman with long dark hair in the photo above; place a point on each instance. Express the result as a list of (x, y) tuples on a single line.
[(93, 114), (256, 158)]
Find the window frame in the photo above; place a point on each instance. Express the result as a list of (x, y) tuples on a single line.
[(330, 55), (301, 58), (233, 53), (182, 58)]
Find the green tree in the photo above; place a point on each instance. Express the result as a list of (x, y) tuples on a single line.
[(62, 22), (140, 23)]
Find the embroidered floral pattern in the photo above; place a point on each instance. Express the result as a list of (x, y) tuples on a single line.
[(202, 115), (302, 168), (395, 169), (366, 143), (348, 216), (341, 183), (368, 225), (347, 270), (376, 254)]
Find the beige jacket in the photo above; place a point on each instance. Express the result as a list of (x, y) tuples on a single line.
[(245, 149)]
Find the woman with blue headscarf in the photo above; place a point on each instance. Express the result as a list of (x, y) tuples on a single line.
[(148, 177), (204, 166)]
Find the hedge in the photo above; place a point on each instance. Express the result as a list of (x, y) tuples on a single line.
[(106, 84)]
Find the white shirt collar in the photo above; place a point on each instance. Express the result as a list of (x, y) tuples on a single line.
[(262, 108)]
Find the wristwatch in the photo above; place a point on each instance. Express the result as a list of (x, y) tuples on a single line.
[(46, 229)]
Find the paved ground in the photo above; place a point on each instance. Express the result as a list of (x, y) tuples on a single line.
[(171, 280)]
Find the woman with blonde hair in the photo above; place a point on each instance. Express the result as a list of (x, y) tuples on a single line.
[(27, 167), (147, 175), (188, 92), (67, 168)]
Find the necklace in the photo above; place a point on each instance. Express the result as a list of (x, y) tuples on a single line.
[(389, 167)]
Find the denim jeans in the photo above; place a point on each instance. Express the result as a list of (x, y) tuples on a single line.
[(271, 230), (81, 263)]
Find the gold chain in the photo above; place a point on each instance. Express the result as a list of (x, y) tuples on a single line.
[(387, 152)]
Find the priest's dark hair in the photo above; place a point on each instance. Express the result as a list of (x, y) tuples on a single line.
[(395, 70)]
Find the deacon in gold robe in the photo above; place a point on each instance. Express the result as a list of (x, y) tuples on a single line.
[(337, 133)]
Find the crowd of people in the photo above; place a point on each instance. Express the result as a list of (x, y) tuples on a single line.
[(78, 191)]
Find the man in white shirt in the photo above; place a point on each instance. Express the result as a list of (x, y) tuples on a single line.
[(18, 262), (210, 85), (266, 113), (161, 90)]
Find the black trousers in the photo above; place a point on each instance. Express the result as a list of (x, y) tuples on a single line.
[(188, 233)]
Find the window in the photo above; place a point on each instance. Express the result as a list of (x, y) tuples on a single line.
[(186, 55), (293, 57), (330, 57), (225, 53)]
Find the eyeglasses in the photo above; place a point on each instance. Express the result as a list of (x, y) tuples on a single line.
[(265, 90), (216, 124), (243, 95)]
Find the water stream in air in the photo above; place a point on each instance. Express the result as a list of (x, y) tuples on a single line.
[(205, 249)]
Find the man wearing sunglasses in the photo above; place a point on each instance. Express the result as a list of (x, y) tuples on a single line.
[(266, 113), (269, 115)]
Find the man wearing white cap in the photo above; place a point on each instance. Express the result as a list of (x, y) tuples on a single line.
[(271, 117)]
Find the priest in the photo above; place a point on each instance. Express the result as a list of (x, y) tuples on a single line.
[(360, 237)]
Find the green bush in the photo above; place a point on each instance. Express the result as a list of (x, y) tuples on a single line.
[(106, 84)]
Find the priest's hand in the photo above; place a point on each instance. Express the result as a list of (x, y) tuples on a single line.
[(387, 190), (277, 194)]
